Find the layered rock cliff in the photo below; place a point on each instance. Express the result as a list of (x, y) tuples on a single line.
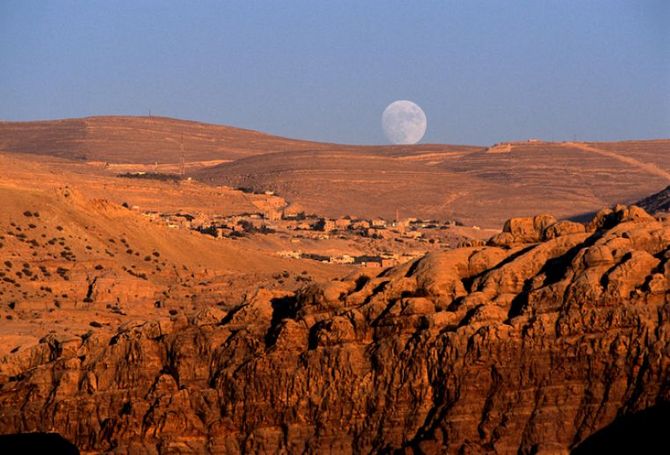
[(527, 345)]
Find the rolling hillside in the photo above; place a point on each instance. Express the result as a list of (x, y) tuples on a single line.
[(138, 140), (476, 186), (149, 140)]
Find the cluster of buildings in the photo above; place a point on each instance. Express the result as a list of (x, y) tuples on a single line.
[(367, 260), (298, 225)]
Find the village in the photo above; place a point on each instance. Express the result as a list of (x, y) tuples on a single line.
[(293, 233)]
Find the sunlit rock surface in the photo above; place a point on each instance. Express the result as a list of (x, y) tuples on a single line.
[(528, 345)]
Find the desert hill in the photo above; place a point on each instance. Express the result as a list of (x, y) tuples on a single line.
[(147, 140), (69, 261), (475, 186), (551, 334), (347, 183), (119, 139), (96, 181)]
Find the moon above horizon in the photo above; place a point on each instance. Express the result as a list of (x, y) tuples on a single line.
[(404, 122)]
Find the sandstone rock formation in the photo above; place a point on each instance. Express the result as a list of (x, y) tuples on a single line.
[(657, 202), (527, 345)]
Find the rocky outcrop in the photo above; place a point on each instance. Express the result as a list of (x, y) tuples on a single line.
[(657, 202), (523, 346), (535, 229)]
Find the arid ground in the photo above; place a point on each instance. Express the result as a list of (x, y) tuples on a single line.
[(176, 287)]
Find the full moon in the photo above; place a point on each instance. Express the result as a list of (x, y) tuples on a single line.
[(404, 122)]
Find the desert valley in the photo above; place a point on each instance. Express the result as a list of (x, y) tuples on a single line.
[(169, 286)]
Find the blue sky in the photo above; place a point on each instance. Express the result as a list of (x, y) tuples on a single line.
[(483, 71)]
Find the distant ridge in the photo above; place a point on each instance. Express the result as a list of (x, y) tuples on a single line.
[(145, 140), (124, 139), (471, 184)]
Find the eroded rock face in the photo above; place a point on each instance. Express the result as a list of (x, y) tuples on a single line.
[(528, 348)]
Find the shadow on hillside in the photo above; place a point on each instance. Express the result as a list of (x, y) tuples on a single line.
[(582, 217), (29, 443), (643, 432)]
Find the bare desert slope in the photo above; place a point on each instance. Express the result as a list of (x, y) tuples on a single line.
[(475, 186), (126, 139), (72, 264), (118, 139), (24, 170)]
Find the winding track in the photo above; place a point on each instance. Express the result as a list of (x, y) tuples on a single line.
[(647, 167)]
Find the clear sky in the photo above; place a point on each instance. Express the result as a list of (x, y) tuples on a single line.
[(483, 71)]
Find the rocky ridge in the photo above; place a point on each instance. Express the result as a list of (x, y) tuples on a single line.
[(526, 345), (658, 202)]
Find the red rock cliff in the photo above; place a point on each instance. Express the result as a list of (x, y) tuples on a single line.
[(512, 347)]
